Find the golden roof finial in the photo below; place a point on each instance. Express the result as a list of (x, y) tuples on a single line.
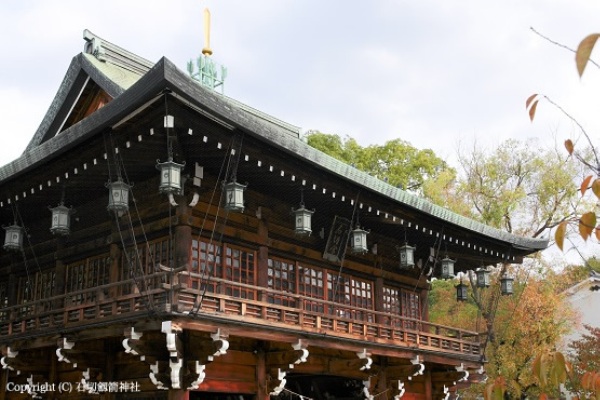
[(206, 50)]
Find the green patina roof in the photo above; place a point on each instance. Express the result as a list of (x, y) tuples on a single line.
[(121, 76)]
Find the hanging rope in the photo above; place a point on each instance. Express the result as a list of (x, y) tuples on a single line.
[(339, 276), (229, 168), (496, 300), (18, 218), (142, 287)]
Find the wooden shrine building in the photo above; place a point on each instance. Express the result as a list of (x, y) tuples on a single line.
[(164, 241)]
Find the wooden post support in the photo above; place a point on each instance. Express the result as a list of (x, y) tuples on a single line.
[(178, 394)]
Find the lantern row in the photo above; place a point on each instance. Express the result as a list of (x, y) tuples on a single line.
[(170, 183)]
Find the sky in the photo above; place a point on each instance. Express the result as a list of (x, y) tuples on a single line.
[(438, 74)]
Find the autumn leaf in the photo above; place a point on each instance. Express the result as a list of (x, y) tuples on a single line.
[(584, 51), (597, 231), (585, 184), (559, 369), (596, 188), (569, 146), (559, 235), (531, 105), (587, 223)]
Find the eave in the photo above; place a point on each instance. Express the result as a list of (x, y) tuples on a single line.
[(165, 76)]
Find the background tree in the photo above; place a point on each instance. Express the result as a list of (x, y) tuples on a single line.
[(550, 369), (584, 355), (396, 161), (520, 187), (531, 321)]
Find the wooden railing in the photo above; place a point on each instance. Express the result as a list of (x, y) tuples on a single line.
[(166, 291), (319, 316), (130, 297)]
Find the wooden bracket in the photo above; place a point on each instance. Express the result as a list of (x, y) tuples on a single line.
[(8, 359), (62, 345), (276, 382)]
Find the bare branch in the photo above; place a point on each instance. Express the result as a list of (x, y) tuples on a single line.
[(561, 45), (579, 125)]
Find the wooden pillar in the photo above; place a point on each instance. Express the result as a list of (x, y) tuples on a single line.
[(3, 383), (428, 383), (381, 319), (53, 377), (60, 270), (178, 394), (12, 289), (109, 367), (424, 305), (183, 237), (262, 275), (12, 293), (261, 375), (182, 246), (115, 259)]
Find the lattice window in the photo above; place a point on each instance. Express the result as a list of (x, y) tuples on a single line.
[(402, 302), (44, 285), (240, 267), (338, 288), (411, 304), (310, 284), (391, 300), (356, 293), (141, 262), (282, 277), (206, 260), (87, 274), (361, 296)]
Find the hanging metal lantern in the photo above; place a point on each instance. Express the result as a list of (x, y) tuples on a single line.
[(303, 218), (483, 277), (461, 291), (448, 268), (234, 196), (359, 240), (407, 256), (61, 220), (13, 239), (170, 176), (118, 197), (506, 285)]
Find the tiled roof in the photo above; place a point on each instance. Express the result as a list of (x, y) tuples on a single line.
[(123, 70)]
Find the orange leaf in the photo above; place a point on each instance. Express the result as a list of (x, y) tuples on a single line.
[(532, 110), (529, 100), (596, 188), (587, 380), (569, 145), (559, 237), (584, 51), (587, 222), (598, 233), (585, 184)]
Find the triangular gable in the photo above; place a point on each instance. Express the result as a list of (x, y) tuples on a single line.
[(94, 78)]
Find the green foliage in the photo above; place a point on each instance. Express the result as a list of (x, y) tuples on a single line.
[(396, 161), (519, 187), (444, 309)]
